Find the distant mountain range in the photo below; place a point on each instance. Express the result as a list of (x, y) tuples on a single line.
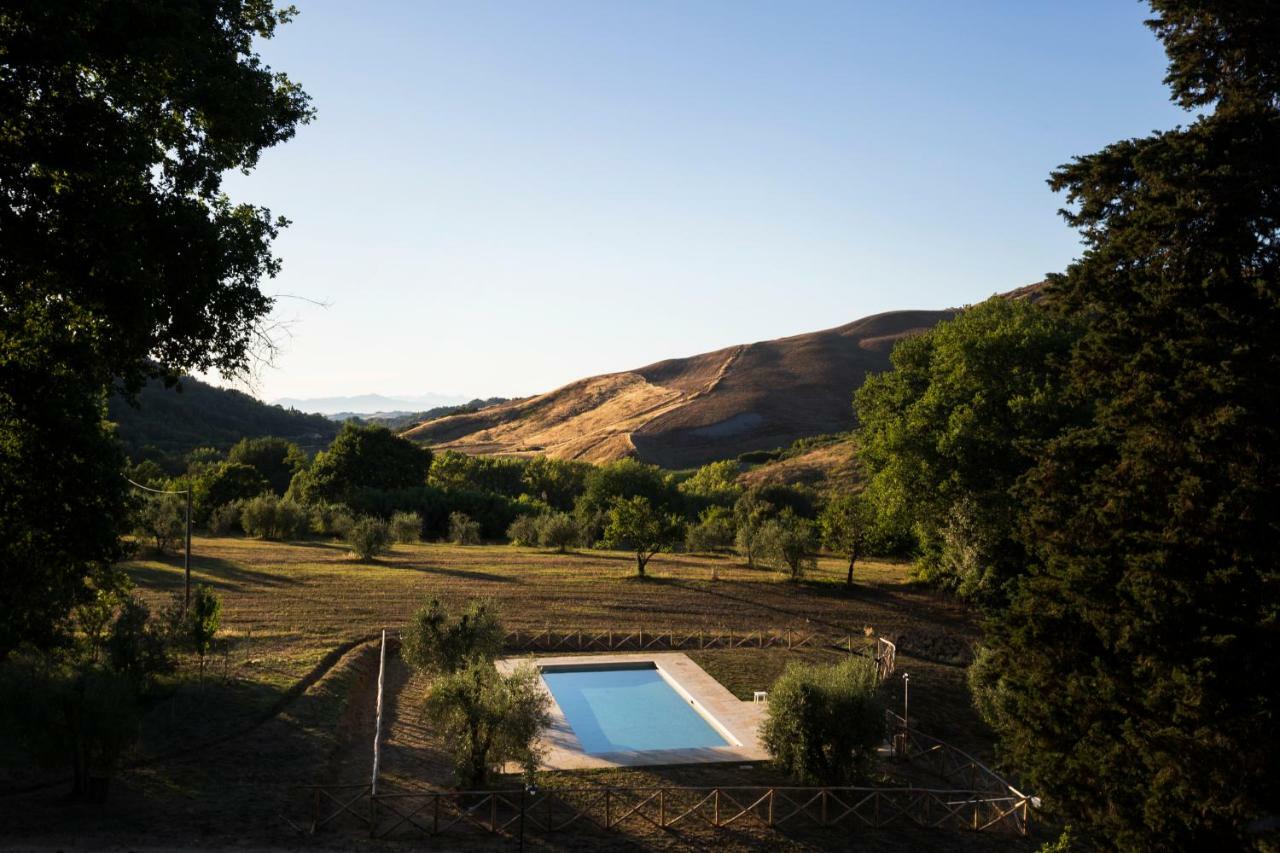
[(366, 405)]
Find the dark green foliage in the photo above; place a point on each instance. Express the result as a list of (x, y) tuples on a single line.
[(714, 483), (122, 256), (276, 459), (493, 512), (1132, 679), (636, 525), (195, 626), (79, 707), (135, 646), (333, 520), (225, 520), (713, 532), (463, 530), (369, 537), (556, 482), (625, 478), (168, 423), (438, 642), (406, 527), (452, 470), (801, 500), (225, 483), (75, 715), (825, 722), (360, 457), (947, 433)]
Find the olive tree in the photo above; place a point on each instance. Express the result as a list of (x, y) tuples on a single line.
[(824, 722), (636, 525)]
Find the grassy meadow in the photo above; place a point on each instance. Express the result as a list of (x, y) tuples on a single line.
[(287, 697)]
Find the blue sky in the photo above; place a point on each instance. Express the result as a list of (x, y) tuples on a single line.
[(498, 198)]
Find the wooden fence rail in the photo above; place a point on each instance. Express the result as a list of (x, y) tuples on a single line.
[(431, 813), (881, 650)]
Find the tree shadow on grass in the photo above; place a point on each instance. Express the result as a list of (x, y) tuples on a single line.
[(464, 574), (214, 571)]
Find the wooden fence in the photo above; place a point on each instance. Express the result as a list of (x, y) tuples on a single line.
[(611, 809), (881, 650)]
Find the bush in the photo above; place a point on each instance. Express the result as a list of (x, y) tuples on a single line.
[(195, 627), (225, 519), (463, 530), (713, 532), (331, 520), (406, 527), (557, 530), (270, 517), (824, 722), (369, 537), (524, 531), (785, 544)]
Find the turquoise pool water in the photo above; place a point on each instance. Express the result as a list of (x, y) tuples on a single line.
[(631, 709)]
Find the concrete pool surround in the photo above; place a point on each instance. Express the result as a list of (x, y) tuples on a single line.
[(735, 721)]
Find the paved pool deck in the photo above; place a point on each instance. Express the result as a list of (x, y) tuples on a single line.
[(739, 721)]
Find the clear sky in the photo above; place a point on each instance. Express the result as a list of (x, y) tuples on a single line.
[(498, 198)]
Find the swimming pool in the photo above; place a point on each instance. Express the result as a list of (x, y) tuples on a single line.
[(628, 708)]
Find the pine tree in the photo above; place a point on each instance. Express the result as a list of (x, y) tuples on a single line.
[(1133, 678)]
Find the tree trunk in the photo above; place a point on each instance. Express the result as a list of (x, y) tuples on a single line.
[(853, 558), (641, 559)]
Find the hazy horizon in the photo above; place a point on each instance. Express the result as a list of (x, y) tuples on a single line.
[(496, 200)]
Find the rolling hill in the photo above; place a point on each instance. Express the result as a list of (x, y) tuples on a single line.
[(688, 411), (173, 421)]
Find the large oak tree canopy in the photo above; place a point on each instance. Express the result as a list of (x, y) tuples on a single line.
[(120, 256), (117, 122)]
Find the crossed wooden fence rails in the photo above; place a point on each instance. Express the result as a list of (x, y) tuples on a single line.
[(947, 762), (883, 651), (543, 812)]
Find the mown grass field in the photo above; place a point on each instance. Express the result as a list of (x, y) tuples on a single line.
[(221, 755)]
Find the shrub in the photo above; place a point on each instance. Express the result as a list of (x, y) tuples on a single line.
[(785, 544), (524, 531), (557, 530), (225, 519), (406, 527), (713, 532), (463, 530), (270, 517), (824, 722), (369, 537)]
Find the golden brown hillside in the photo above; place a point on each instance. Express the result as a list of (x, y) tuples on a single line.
[(688, 411)]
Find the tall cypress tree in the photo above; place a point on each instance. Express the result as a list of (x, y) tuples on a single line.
[(1134, 677)]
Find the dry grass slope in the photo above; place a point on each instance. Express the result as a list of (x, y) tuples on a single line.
[(687, 411)]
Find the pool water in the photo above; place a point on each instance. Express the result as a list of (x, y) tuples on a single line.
[(628, 710)]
